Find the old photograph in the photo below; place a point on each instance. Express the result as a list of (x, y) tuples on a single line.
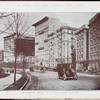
[(57, 99), (50, 51)]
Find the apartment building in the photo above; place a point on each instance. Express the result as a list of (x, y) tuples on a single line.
[(65, 40), (9, 48), (82, 47), (94, 42), (44, 40), (52, 42)]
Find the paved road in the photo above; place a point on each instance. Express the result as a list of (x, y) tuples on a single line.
[(49, 81)]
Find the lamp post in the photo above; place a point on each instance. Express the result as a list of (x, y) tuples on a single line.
[(73, 54)]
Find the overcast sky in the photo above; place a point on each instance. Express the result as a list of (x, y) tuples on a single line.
[(72, 19)]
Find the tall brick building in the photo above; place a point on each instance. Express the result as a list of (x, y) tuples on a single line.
[(94, 42), (82, 47)]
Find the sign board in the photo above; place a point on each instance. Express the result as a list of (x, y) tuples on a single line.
[(25, 46)]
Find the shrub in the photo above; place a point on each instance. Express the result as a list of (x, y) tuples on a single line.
[(1, 70)]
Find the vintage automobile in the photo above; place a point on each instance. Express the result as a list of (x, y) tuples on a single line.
[(31, 69), (66, 72)]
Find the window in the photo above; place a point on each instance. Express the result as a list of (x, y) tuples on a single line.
[(45, 41), (98, 47), (91, 50), (63, 43), (36, 43), (91, 41), (41, 33), (41, 48), (94, 48)]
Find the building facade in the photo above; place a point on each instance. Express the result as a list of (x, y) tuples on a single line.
[(52, 42), (82, 47), (9, 48), (44, 31), (65, 39), (94, 42)]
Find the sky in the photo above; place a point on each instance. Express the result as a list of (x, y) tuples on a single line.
[(75, 19)]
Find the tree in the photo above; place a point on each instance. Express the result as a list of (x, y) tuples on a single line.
[(2, 16), (18, 25)]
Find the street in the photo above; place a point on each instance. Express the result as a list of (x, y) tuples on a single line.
[(50, 81)]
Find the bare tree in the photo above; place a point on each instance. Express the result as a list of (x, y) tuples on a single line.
[(3, 14), (19, 25)]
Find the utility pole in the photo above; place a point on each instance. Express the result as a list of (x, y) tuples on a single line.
[(15, 68), (16, 54), (24, 63)]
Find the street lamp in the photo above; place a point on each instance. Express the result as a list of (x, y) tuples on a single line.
[(73, 54)]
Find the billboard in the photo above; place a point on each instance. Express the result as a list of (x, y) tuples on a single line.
[(25, 46)]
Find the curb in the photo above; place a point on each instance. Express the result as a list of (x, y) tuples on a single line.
[(25, 83)]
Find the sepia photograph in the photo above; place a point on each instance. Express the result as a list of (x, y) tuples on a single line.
[(50, 51), (56, 99)]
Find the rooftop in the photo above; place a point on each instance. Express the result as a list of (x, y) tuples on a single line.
[(97, 16), (40, 21), (85, 26), (68, 27)]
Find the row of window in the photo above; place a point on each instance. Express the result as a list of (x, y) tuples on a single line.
[(80, 45), (80, 38), (94, 32), (95, 56), (80, 57), (95, 48), (79, 52), (94, 40)]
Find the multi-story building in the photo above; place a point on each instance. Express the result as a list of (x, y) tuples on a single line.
[(65, 39), (82, 47), (94, 42), (52, 42), (9, 49), (44, 31)]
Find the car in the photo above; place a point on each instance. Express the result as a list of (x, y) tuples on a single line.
[(66, 72), (32, 69)]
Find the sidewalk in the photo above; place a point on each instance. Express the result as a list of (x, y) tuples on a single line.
[(5, 82)]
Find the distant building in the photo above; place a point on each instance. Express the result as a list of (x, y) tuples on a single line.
[(9, 49), (82, 47), (94, 42), (52, 42)]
